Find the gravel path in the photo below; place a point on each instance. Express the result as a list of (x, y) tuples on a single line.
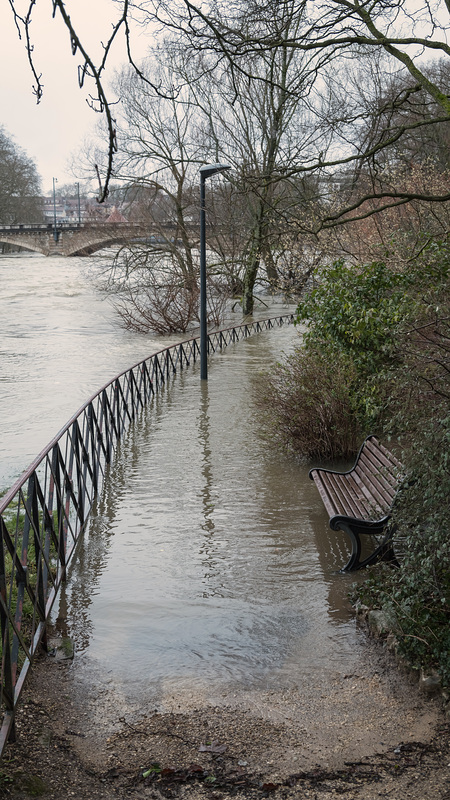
[(367, 735)]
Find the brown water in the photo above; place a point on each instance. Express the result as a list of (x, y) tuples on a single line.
[(209, 561), (60, 342)]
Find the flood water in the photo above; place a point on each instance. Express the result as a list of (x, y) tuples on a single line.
[(59, 344), (208, 560)]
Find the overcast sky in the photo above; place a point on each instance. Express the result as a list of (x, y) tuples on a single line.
[(54, 130)]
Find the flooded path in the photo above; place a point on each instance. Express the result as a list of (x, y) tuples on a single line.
[(204, 602), (208, 561)]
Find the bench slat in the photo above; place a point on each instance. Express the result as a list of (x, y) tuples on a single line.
[(376, 483), (326, 499), (380, 496), (383, 454), (388, 472), (349, 502), (381, 491), (378, 458), (387, 479), (344, 496)]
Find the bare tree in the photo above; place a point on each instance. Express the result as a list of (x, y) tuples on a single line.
[(341, 32), (256, 126), (258, 120), (159, 151), (405, 29), (241, 35), (161, 147), (158, 299)]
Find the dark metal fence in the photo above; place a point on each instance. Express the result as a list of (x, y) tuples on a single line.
[(43, 515)]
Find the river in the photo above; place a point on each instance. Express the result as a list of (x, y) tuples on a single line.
[(209, 561), (60, 343)]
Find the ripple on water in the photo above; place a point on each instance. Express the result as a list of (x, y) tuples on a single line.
[(214, 564)]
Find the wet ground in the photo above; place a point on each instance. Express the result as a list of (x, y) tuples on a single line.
[(364, 735)]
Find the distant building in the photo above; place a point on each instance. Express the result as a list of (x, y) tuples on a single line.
[(66, 209), (52, 209)]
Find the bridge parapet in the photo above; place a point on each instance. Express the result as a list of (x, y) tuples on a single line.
[(70, 240)]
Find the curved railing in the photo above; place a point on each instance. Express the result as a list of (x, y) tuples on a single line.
[(43, 515)]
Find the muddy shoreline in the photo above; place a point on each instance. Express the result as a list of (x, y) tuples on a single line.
[(368, 734)]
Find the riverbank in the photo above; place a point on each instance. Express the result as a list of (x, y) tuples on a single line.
[(364, 735)]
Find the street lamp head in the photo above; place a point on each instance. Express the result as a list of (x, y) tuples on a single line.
[(210, 169)]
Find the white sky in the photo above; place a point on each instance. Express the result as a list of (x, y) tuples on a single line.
[(54, 130)]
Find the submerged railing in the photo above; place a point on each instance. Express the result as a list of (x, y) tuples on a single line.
[(43, 515)]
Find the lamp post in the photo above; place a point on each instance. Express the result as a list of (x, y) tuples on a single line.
[(79, 204), (55, 232), (205, 172)]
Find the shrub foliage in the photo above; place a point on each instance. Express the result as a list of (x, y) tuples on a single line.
[(307, 405)]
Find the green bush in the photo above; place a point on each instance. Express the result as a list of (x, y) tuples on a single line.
[(419, 592), (322, 400), (415, 393), (357, 310)]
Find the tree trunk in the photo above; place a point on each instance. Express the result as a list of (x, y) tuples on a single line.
[(271, 270), (251, 273)]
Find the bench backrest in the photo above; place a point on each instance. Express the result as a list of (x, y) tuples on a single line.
[(379, 472)]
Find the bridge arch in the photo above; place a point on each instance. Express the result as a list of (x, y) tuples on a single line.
[(94, 247), (19, 242)]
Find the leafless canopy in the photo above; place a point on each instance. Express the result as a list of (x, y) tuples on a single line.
[(238, 34)]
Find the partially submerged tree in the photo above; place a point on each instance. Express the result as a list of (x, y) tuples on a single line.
[(256, 126), (259, 123), (161, 149), (158, 151)]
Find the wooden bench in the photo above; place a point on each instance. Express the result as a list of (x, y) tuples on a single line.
[(359, 501)]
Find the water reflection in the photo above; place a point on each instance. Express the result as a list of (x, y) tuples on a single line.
[(208, 561), (203, 435)]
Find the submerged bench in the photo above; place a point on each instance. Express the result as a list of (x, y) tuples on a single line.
[(360, 501)]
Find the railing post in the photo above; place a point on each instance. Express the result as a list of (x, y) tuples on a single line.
[(6, 674), (94, 452)]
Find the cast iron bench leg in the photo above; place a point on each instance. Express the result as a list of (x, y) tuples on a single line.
[(353, 562), (384, 551)]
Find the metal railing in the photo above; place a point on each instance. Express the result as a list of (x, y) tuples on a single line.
[(44, 513)]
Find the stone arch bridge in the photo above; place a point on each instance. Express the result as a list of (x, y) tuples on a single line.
[(68, 239)]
